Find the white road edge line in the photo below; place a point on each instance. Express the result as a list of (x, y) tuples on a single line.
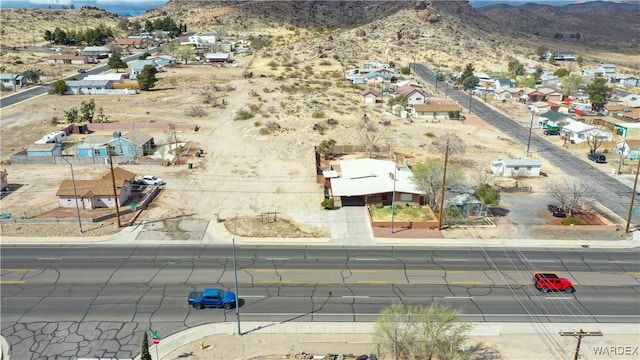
[(365, 259)]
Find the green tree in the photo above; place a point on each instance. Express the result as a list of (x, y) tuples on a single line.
[(399, 100), (144, 56), (580, 60), (405, 70), (467, 72), (147, 77), (541, 51), (59, 87), (515, 68), (72, 115), (184, 52), (570, 84), (562, 72), (415, 332), (539, 71), (427, 176), (325, 148), (488, 195), (144, 351), (599, 92), (124, 24), (32, 75), (87, 110), (115, 62), (148, 26), (101, 117), (470, 82), (135, 27), (48, 35)]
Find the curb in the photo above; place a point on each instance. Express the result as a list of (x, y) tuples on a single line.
[(198, 333)]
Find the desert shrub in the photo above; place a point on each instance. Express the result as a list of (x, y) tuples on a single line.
[(308, 69), (53, 121), (194, 111), (243, 114), (332, 121), (325, 63), (318, 114), (327, 204), (429, 134), (254, 107), (257, 123), (319, 128), (272, 64)]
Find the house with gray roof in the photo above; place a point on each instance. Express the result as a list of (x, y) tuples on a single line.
[(526, 167), (134, 143), (13, 80), (503, 83), (88, 87), (138, 65)]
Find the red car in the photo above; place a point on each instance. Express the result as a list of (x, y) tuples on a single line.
[(546, 282)]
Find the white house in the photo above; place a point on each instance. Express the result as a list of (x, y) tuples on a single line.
[(526, 167), (362, 179), (578, 132), (113, 77), (607, 70), (630, 81), (414, 96)]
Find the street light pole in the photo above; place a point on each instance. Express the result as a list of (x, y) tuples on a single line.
[(393, 197), (235, 273), (75, 193)]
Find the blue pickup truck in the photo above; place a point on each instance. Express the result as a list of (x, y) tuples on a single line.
[(212, 298)]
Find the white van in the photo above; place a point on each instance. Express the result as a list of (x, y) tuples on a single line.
[(54, 137)]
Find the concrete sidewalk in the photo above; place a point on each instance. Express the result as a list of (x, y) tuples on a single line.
[(217, 234), (220, 340)]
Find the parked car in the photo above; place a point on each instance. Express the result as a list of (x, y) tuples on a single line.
[(212, 297), (552, 132), (557, 211), (546, 282), (150, 180), (82, 71), (597, 157)]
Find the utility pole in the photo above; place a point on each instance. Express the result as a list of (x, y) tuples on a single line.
[(393, 197), (633, 198), (75, 193), (530, 129), (444, 182), (579, 335), (113, 182), (470, 97), (235, 274)]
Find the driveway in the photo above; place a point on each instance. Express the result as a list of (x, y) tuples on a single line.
[(350, 225)]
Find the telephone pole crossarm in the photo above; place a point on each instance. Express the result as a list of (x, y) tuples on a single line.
[(579, 335)]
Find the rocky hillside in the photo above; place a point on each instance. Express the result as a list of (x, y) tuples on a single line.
[(605, 25)]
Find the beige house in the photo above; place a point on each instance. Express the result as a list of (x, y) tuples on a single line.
[(97, 193), (68, 59), (370, 96), (437, 111)]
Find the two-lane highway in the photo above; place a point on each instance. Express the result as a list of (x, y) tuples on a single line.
[(607, 190), (103, 295)]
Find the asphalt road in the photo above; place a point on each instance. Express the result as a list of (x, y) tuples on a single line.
[(605, 189), (94, 301), (28, 94)]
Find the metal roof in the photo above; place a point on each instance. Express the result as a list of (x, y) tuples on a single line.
[(371, 176)]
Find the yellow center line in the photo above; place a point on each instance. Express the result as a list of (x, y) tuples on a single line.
[(12, 282)]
